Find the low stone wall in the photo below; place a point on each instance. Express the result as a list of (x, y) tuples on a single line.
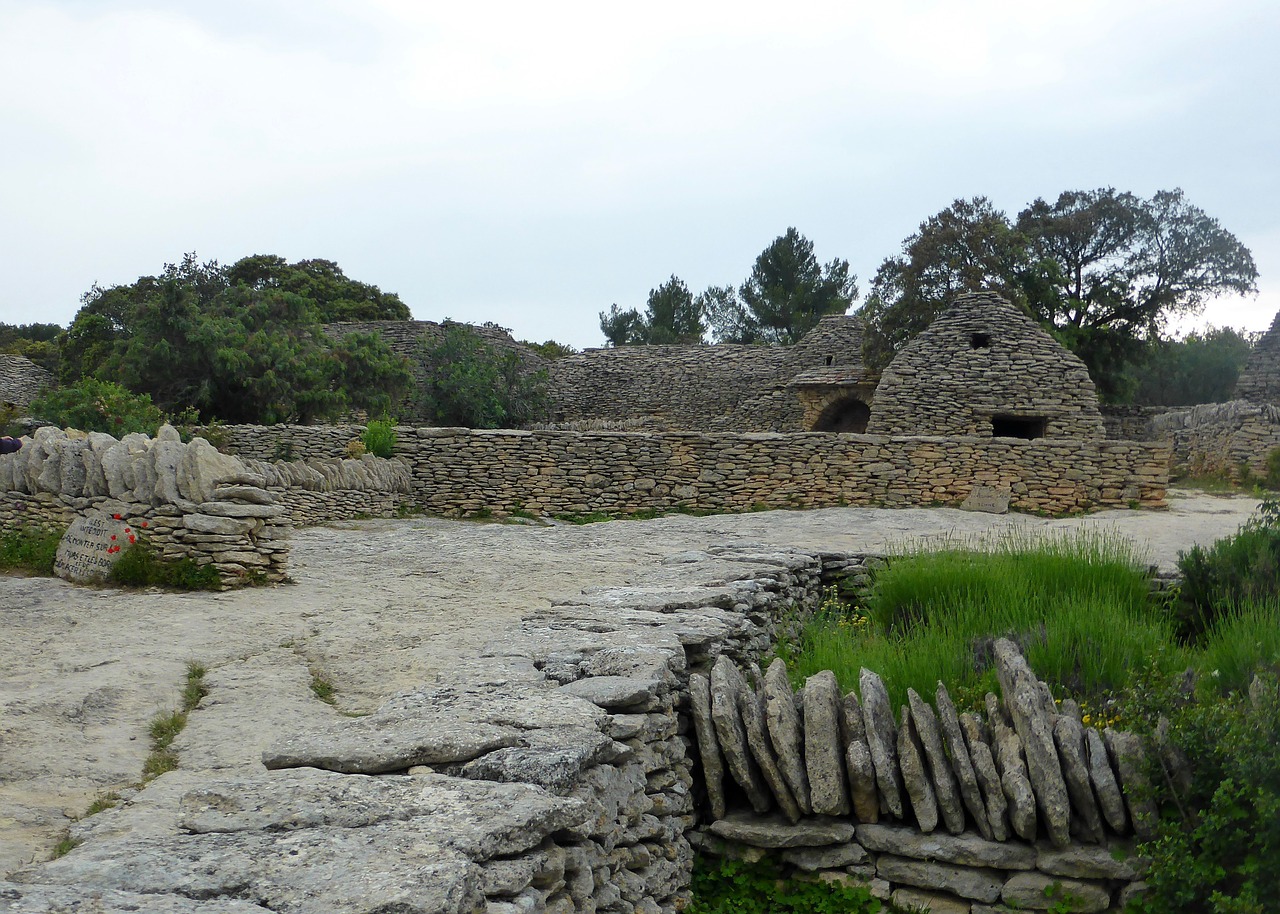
[(285, 442), (560, 472), (1131, 423), (186, 500), (1221, 438), (317, 490)]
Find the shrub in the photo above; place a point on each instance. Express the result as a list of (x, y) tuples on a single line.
[(98, 406), (379, 437), (1239, 569), (474, 385), (1216, 849), (739, 887), (1272, 479)]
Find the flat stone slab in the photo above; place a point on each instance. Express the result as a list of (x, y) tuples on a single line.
[(978, 885), (967, 849), (481, 819), (988, 499), (775, 832), (16, 898), (785, 730), (1040, 892), (614, 691)]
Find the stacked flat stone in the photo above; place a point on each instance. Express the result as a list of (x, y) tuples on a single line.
[(21, 380), (1259, 380), (1221, 438), (983, 358), (1029, 784), (185, 499)]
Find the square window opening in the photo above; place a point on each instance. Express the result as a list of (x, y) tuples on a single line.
[(980, 341), (1028, 427)]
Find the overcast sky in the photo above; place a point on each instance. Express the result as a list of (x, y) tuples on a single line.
[(533, 163)]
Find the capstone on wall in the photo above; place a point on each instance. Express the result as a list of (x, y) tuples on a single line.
[(21, 380), (984, 368), (1260, 379)]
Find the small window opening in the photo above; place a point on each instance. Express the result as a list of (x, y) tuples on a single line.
[(980, 341), (1018, 426), (831, 360)]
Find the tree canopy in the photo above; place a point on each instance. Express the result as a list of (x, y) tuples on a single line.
[(321, 282), (232, 343), (672, 315), (785, 296), (1104, 269), (472, 384)]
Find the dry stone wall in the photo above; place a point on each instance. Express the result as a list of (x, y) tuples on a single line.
[(21, 380), (1221, 438), (1027, 808), (559, 472), (574, 775), (980, 361), (184, 500)]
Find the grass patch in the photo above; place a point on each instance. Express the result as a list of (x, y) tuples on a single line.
[(140, 566), (322, 688), (65, 846), (29, 549), (166, 726), (1238, 644), (101, 803), (1078, 605)]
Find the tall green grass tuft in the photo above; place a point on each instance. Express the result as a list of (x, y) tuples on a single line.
[(1241, 642), (1078, 605), (140, 566), (380, 437)]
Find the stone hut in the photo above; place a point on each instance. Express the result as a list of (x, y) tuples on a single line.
[(986, 369), (1260, 380), (21, 381)]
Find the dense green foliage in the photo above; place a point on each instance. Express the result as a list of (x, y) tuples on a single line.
[(98, 406), (728, 886), (785, 296), (549, 349), (37, 342), (1103, 269), (233, 342), (1236, 570), (333, 295), (379, 437), (672, 315), (472, 384), (1201, 368), (1079, 606), (30, 550), (140, 566), (1218, 840)]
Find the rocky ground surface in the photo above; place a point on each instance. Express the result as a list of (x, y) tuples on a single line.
[(377, 607)]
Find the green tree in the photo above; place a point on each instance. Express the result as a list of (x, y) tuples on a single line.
[(472, 384), (672, 315), (37, 342), (550, 349), (192, 338), (334, 296), (1201, 368), (785, 296), (1105, 269)]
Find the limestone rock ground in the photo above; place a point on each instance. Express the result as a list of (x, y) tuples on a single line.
[(379, 607)]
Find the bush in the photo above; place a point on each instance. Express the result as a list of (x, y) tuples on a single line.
[(474, 385), (380, 437), (1216, 848), (98, 406), (1272, 479), (739, 887), (1236, 570)]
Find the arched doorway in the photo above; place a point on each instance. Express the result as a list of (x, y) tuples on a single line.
[(848, 414)]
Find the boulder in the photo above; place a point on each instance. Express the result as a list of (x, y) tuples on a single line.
[(823, 751), (1017, 788), (785, 732), (1068, 734), (1129, 757), (1105, 785), (775, 832), (882, 741), (203, 468), (962, 850), (166, 457), (974, 884), (1040, 892), (862, 782), (984, 767), (72, 476)]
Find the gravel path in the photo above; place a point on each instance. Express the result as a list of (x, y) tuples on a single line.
[(379, 606)]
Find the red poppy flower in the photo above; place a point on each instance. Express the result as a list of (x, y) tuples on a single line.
[(116, 516), (144, 523), (113, 536), (131, 540)]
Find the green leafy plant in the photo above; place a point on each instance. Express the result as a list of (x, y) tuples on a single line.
[(727, 886), (98, 406), (322, 688), (166, 726), (380, 437), (473, 384)]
